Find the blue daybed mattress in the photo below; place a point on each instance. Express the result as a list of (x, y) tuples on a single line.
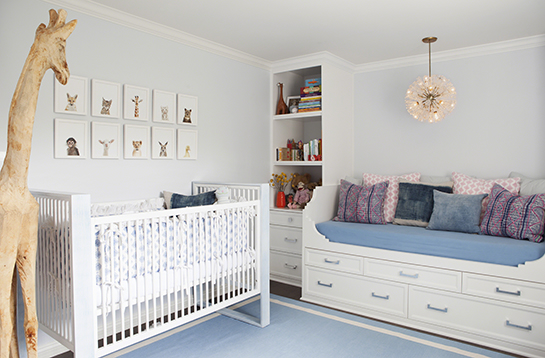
[(418, 240)]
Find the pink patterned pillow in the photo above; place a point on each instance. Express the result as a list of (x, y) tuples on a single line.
[(390, 202), (511, 215), (464, 184)]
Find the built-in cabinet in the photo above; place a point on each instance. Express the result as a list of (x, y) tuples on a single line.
[(333, 125)]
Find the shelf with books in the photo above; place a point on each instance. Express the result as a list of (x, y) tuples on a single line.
[(298, 163)]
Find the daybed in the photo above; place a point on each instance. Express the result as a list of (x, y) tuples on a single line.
[(134, 271), (453, 284)]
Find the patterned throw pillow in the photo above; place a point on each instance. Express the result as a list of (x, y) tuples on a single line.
[(464, 184), (390, 202), (511, 215), (361, 204)]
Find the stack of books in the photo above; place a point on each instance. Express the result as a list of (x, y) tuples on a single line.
[(311, 96)]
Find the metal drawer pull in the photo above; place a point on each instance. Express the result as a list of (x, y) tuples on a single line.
[(407, 275), (387, 297), (290, 266), (438, 309), (508, 292), (325, 284), (290, 240), (332, 262), (290, 220), (528, 327)]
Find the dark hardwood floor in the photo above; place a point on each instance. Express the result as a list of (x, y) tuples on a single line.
[(277, 288)]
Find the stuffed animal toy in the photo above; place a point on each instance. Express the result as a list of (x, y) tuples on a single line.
[(297, 178), (302, 196)]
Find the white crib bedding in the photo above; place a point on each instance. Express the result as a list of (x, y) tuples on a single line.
[(161, 283), (162, 246)]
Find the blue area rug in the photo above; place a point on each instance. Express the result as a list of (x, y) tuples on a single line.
[(299, 329)]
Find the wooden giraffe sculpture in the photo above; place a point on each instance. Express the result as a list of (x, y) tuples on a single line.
[(18, 208)]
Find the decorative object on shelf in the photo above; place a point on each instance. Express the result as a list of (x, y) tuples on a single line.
[(430, 98), (279, 182), (293, 103), (281, 107), (18, 208)]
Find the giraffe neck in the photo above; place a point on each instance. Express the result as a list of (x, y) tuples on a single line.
[(21, 120)]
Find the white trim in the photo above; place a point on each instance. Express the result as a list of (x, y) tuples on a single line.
[(51, 349), (122, 18), (107, 13), (474, 51)]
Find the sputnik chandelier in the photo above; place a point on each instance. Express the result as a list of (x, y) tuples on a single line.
[(431, 98)]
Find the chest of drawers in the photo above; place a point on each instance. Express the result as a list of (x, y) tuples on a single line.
[(286, 245)]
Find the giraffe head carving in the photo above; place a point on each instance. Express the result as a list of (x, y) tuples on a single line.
[(50, 40)]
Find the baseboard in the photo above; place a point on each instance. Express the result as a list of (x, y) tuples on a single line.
[(51, 349)]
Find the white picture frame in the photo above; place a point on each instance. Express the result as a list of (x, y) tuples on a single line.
[(187, 144), (136, 142), (188, 112), (105, 99), (163, 143), (164, 107), (105, 140), (70, 139), (71, 98), (136, 103)]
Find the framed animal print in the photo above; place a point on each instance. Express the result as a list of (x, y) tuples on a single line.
[(163, 143), (70, 139), (136, 142), (164, 107), (71, 98), (136, 103), (188, 113), (187, 144), (105, 143), (105, 99)]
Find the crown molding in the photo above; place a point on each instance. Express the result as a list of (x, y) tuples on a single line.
[(467, 52), (107, 13), (311, 60)]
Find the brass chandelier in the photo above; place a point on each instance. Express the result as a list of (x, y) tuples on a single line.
[(431, 98)]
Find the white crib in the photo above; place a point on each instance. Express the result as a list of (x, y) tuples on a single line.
[(104, 283)]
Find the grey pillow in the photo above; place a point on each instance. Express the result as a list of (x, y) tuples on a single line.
[(456, 212), (529, 186), (415, 202)]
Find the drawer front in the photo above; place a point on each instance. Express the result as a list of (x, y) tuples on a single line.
[(517, 324), (357, 290), (334, 261), (286, 239), (286, 265), (286, 218), (416, 275), (527, 293)]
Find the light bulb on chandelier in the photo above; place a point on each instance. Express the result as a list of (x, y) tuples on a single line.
[(431, 98)]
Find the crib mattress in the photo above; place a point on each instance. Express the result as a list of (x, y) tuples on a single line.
[(418, 240)]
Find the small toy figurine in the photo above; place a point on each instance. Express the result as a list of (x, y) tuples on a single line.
[(302, 195), (291, 204)]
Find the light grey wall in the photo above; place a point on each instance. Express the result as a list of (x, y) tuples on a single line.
[(497, 127), (233, 104)]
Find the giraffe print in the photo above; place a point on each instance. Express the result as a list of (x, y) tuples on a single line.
[(137, 101)]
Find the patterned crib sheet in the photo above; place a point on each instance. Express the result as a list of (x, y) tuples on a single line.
[(137, 247)]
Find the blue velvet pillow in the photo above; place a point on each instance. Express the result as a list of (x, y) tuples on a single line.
[(182, 201), (456, 212), (415, 202)]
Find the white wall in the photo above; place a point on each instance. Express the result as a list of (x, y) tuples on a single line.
[(233, 104), (497, 127)]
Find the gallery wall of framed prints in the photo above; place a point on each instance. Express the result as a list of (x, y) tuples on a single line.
[(132, 122)]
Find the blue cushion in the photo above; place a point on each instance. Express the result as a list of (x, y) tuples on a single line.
[(456, 212), (415, 203), (182, 201)]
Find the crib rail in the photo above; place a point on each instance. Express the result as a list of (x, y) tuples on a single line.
[(138, 275)]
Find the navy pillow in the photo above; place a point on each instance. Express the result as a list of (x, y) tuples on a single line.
[(456, 212), (415, 203), (183, 201)]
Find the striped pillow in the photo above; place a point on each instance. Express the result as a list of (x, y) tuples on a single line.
[(511, 215), (361, 204)]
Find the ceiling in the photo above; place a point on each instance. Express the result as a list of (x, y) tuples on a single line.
[(359, 31)]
